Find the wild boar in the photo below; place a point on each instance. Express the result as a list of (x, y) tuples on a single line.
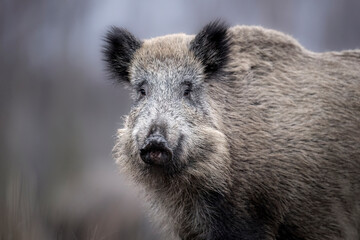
[(241, 133)]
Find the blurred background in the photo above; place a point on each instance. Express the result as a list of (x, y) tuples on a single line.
[(59, 112)]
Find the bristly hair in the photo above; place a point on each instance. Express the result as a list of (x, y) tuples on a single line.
[(120, 46), (212, 46)]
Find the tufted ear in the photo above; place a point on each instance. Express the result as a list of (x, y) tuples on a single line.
[(120, 46), (212, 46)]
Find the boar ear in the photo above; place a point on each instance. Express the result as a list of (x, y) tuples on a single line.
[(212, 46), (120, 46)]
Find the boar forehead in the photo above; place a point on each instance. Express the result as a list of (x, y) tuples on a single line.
[(166, 60)]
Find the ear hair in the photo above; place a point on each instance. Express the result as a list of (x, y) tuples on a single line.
[(212, 46), (120, 46)]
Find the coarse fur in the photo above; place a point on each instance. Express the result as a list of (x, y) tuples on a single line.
[(266, 145)]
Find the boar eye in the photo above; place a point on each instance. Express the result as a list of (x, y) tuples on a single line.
[(142, 92), (187, 92)]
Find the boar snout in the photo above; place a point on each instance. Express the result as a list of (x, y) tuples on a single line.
[(155, 150)]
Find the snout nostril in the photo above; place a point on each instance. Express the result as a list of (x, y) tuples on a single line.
[(155, 150)]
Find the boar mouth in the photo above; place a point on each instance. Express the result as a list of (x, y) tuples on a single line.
[(155, 151)]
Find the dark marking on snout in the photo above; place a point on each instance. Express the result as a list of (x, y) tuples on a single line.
[(159, 128), (155, 150)]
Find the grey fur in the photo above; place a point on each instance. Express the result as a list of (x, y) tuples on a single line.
[(270, 145)]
